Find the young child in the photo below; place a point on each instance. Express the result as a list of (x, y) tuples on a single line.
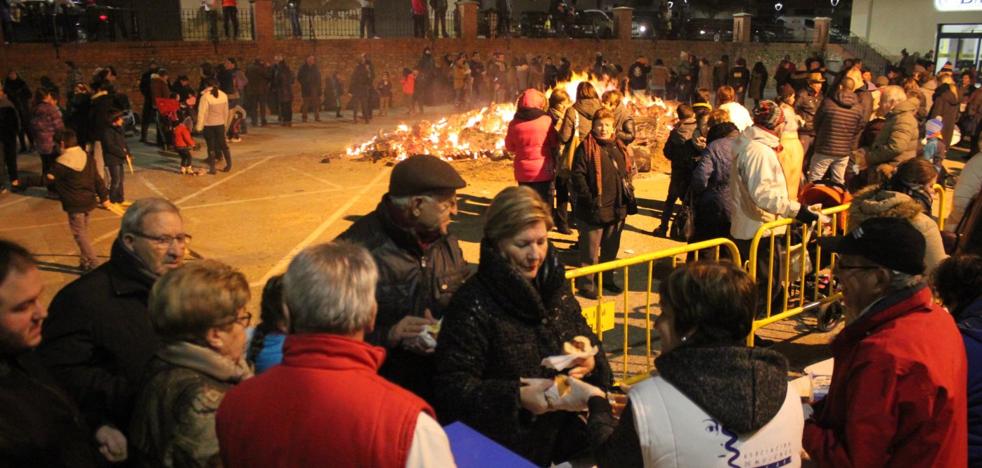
[(409, 88), (266, 340), (74, 178), (384, 94), (184, 144), (935, 150), (116, 155)]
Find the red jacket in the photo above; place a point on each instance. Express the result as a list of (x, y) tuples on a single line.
[(182, 137), (898, 390), (229, 3), (324, 405), (533, 141)]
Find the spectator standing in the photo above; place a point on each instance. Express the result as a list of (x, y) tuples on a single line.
[(419, 12), (613, 101), (74, 179), (9, 129), (159, 89), (638, 76), (792, 154), (39, 423), (336, 87), (98, 338), (19, 94), (705, 80), (266, 341), (945, 104), (439, 18), (259, 75), (461, 75), (339, 408), (149, 114), (360, 88), (897, 141), (504, 9), (230, 15), (577, 124), (739, 115), (739, 79), (659, 78), (600, 180), (534, 143), (967, 191), (366, 25), (293, 10), (958, 283), (806, 105), (683, 151), (758, 82), (309, 76), (838, 122), (283, 88), (919, 418), (420, 263), (46, 123), (518, 300), (709, 187), (199, 312), (721, 72), (212, 116), (782, 75), (211, 7), (117, 154), (384, 89), (184, 144)]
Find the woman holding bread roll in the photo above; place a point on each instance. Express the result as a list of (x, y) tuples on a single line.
[(517, 310), (714, 402)]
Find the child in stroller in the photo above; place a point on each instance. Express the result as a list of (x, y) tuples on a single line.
[(131, 120), (236, 119)]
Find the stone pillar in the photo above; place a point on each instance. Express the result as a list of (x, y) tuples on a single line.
[(262, 16), (468, 19), (822, 25), (741, 27), (622, 22)]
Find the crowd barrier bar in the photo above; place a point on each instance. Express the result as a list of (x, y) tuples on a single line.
[(941, 196), (650, 259), (836, 223)]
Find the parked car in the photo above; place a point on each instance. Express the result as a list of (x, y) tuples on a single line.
[(536, 24), (593, 23)]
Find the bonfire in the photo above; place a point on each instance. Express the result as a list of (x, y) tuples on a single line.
[(481, 133)]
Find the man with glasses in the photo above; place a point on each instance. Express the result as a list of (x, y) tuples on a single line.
[(897, 396), (420, 264), (98, 337)]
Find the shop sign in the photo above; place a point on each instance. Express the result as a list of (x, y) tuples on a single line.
[(958, 5)]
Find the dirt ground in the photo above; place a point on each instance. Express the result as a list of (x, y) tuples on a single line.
[(280, 198)]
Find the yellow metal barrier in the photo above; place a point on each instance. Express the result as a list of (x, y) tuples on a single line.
[(766, 231), (625, 264), (942, 213)]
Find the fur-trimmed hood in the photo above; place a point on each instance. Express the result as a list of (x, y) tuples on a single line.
[(872, 202)]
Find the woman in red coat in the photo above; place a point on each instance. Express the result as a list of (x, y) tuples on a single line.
[(533, 140)]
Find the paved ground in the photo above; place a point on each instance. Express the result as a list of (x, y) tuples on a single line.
[(280, 198)]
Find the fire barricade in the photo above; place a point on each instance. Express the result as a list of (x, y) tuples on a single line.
[(601, 316)]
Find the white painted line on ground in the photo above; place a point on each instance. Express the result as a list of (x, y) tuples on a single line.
[(62, 223), (318, 179), (222, 181), (22, 199), (153, 188), (313, 236)]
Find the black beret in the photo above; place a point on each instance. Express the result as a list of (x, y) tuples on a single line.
[(420, 174), (893, 243)]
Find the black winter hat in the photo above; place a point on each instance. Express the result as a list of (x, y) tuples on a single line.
[(423, 173), (892, 243)]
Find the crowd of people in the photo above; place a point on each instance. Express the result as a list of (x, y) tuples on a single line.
[(368, 344)]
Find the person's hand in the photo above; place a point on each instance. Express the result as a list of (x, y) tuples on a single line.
[(112, 443), (50, 176), (618, 401), (409, 327), (532, 394), (579, 393), (582, 367)]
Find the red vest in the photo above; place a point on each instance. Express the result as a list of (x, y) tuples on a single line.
[(325, 405)]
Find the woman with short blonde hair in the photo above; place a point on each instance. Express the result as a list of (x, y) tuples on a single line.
[(199, 312), (513, 210)]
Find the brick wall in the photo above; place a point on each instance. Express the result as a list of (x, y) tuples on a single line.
[(131, 59)]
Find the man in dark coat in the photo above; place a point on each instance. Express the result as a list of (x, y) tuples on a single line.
[(98, 337), (283, 88), (148, 107), (838, 123), (39, 424), (420, 264), (309, 77), (721, 71), (258, 75), (739, 79), (806, 104), (360, 88), (9, 128)]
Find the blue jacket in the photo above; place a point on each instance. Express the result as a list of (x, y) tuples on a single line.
[(970, 325), (710, 178)]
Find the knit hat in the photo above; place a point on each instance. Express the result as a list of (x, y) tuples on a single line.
[(892, 243), (417, 175), (768, 114), (933, 126)]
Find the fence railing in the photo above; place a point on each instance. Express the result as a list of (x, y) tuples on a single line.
[(337, 24), (200, 25)]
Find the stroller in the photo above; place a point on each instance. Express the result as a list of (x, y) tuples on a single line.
[(131, 120), (167, 118), (804, 243), (233, 128)]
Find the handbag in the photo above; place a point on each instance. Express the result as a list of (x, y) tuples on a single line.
[(627, 188), (683, 225), (564, 166)]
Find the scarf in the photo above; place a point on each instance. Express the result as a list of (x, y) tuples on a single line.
[(593, 152), (206, 361), (525, 114)]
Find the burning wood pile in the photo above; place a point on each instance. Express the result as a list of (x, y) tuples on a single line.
[(481, 133)]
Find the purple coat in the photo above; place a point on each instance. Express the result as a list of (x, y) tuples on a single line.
[(45, 124)]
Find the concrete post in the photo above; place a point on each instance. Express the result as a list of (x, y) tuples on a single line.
[(822, 25), (262, 16), (741, 27), (622, 22), (468, 19)]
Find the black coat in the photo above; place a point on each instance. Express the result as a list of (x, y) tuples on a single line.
[(362, 79), (609, 206), (98, 338), (411, 280), (100, 108), (838, 123), (945, 105), (9, 122), (499, 329), (259, 77), (39, 424), (283, 82), (309, 77), (114, 148)]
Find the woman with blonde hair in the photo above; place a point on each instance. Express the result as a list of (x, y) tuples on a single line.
[(517, 310), (199, 312), (739, 115)]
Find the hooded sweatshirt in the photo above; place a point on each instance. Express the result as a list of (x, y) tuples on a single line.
[(873, 203), (77, 182), (582, 113), (532, 139), (838, 123)]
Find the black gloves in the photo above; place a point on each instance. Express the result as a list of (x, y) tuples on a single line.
[(805, 216)]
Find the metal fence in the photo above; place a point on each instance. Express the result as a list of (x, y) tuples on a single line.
[(339, 24), (200, 25)]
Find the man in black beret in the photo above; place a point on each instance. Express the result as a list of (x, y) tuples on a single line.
[(420, 264), (898, 391)]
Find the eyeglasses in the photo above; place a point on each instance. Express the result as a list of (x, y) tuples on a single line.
[(243, 320), (166, 241)]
